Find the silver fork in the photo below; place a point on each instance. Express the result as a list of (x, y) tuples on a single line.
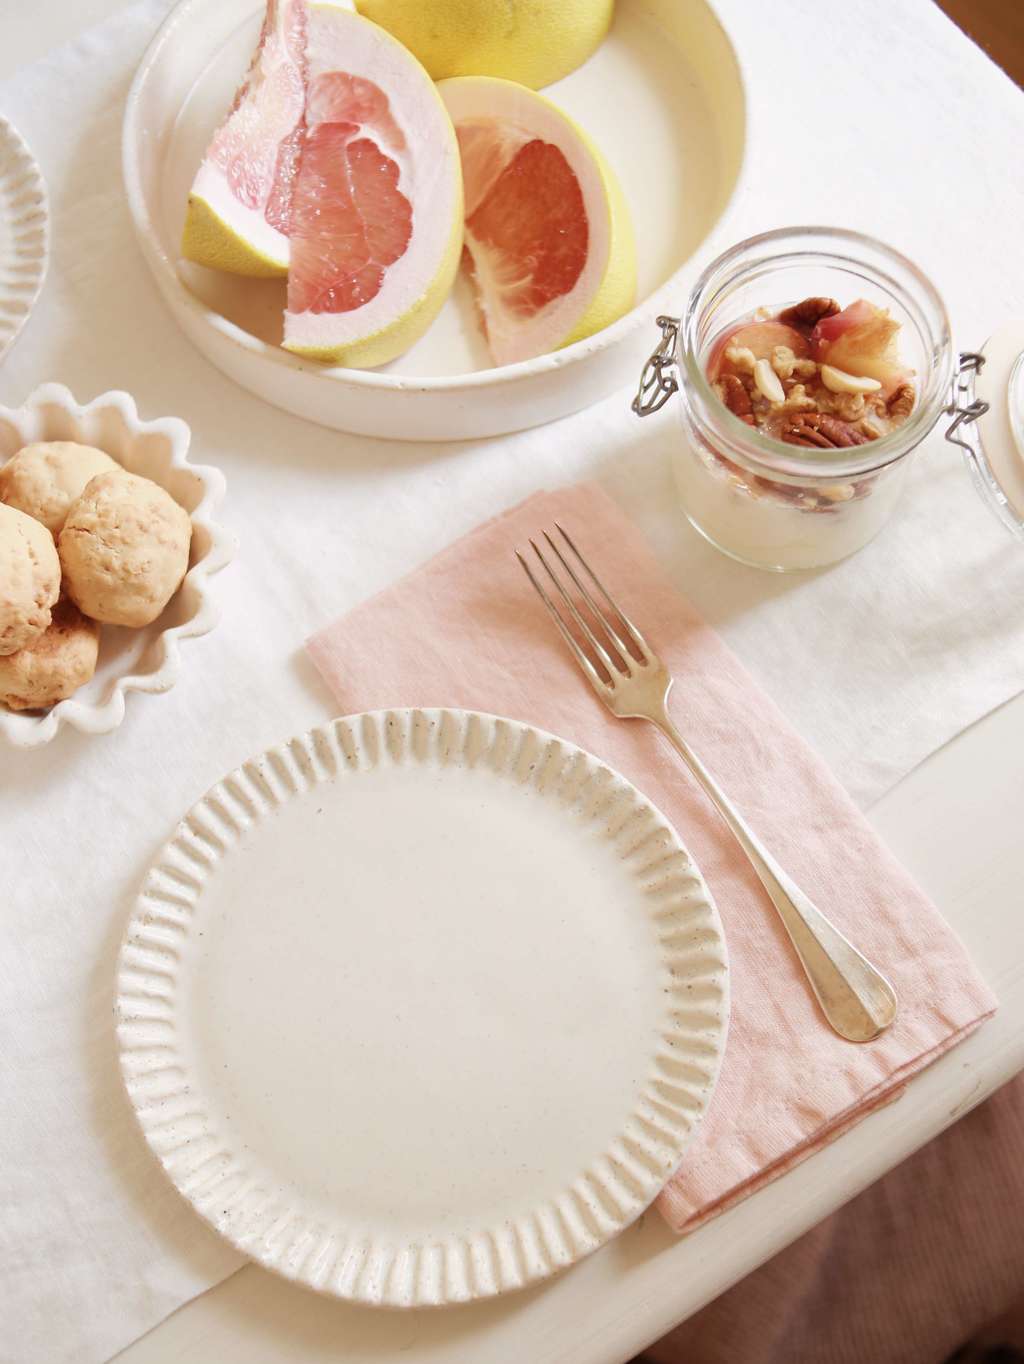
[(855, 997)]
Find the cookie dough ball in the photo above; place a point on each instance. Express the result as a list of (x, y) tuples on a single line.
[(54, 665), (124, 549), (29, 579), (44, 479)]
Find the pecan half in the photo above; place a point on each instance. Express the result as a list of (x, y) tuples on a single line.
[(901, 404), (818, 428), (731, 390), (809, 312)]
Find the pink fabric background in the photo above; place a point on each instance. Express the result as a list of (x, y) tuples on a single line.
[(466, 629)]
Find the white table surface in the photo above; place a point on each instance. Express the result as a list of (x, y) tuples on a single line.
[(955, 823)]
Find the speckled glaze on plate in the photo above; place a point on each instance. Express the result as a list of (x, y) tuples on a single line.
[(24, 233), (422, 1006)]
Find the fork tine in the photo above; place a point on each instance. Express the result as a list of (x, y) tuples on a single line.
[(634, 633), (610, 631), (593, 640), (591, 673)]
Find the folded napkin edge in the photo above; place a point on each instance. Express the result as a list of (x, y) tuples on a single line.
[(671, 1204)]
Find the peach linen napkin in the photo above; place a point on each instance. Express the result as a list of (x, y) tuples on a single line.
[(466, 629)]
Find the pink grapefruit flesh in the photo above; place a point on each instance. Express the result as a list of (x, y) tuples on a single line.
[(238, 206), (375, 223), (548, 245), (533, 224), (350, 221), (265, 119)]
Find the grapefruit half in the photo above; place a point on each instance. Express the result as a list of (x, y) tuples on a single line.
[(375, 226), (548, 237), (535, 42), (238, 204)]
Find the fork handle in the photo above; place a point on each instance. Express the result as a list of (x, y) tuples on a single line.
[(855, 997)]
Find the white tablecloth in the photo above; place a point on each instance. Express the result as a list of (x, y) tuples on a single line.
[(875, 116)]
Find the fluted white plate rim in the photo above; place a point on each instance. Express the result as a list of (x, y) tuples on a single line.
[(24, 233), (181, 1109)]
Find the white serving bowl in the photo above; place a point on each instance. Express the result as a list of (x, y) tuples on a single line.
[(663, 97), (130, 660)]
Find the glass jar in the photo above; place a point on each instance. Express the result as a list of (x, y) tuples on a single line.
[(764, 502)]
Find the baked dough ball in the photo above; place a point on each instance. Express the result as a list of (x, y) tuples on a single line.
[(124, 549), (44, 479), (29, 579), (54, 665)]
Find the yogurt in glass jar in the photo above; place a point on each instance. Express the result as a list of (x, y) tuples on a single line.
[(813, 472)]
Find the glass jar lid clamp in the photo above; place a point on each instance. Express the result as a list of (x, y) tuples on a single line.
[(657, 382)]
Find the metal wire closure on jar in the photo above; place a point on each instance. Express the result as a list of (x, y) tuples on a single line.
[(971, 435), (964, 412), (657, 382)]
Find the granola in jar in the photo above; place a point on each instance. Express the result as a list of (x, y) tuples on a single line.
[(816, 376)]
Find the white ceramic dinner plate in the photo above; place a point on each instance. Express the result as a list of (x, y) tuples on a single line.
[(422, 1006), (24, 233), (663, 99)]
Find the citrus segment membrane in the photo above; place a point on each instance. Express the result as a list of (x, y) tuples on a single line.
[(267, 112), (376, 210), (238, 207), (350, 221)]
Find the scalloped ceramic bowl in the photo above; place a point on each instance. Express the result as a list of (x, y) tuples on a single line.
[(130, 660), (663, 98)]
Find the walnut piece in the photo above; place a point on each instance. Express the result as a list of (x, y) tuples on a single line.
[(872, 427), (798, 400), (809, 312), (849, 406), (783, 360), (741, 358)]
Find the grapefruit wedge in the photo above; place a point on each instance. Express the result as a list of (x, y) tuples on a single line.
[(548, 238), (375, 226), (237, 218)]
